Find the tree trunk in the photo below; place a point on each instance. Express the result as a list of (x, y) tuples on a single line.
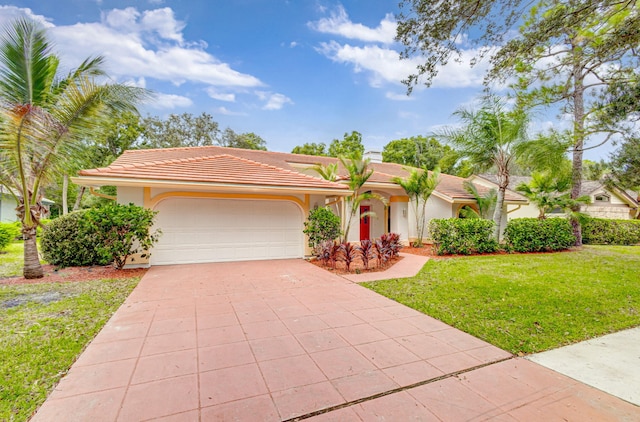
[(578, 137), (65, 191), (76, 205), (503, 182), (32, 268)]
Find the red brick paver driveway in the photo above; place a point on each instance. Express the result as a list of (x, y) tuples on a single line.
[(280, 340)]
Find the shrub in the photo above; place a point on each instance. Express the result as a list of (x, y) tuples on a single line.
[(538, 235), (600, 231), (321, 225), (121, 230), (348, 254), (463, 236), (391, 244), (66, 242), (8, 233), (366, 252)]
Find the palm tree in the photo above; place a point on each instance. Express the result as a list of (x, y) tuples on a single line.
[(358, 173), (43, 116), (419, 186), (486, 203), (492, 137), (552, 191)]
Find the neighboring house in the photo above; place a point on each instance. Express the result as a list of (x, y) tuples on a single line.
[(8, 206), (606, 202), (226, 204)]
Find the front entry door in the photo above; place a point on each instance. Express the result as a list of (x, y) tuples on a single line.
[(365, 223)]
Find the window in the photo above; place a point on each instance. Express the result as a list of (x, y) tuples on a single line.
[(601, 197)]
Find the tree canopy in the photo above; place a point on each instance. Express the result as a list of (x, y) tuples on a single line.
[(420, 151), (311, 148), (350, 146)]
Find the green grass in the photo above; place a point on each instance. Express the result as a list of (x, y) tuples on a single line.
[(11, 260), (528, 303), (39, 341)]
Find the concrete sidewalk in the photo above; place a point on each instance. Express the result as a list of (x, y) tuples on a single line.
[(610, 363), (408, 266)]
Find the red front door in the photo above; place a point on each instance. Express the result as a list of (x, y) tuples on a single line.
[(365, 222)]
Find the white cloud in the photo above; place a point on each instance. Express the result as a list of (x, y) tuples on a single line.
[(169, 101), (146, 45), (399, 97), (384, 65), (338, 23), (9, 13), (225, 111), (221, 96), (273, 101)]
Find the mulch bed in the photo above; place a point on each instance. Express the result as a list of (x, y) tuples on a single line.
[(357, 267), (52, 274)]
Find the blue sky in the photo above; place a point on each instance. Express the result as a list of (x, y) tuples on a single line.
[(291, 71)]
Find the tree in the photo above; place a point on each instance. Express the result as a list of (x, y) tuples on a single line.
[(350, 147), (358, 173), (595, 170), (492, 137), (625, 163), (547, 191), (565, 54), (419, 152), (183, 130), (486, 203), (43, 116), (311, 149), (247, 140), (419, 186)]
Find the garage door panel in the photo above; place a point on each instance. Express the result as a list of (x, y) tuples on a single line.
[(217, 230)]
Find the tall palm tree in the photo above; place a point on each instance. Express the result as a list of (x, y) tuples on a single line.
[(43, 117), (419, 186), (492, 137)]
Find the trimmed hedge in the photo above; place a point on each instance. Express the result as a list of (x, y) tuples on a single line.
[(67, 242), (463, 236), (538, 235), (601, 231)]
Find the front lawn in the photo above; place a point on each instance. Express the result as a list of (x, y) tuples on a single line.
[(43, 329), (530, 302), (11, 260)]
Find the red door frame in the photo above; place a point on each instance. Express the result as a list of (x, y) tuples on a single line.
[(365, 223)]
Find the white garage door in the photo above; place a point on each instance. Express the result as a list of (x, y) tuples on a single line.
[(217, 230)]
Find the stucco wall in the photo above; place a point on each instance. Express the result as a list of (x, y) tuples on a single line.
[(7, 209), (132, 195)]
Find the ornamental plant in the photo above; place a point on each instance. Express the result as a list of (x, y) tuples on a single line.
[(121, 231), (322, 225)]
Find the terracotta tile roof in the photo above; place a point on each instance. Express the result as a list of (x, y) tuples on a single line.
[(223, 168), (243, 166)]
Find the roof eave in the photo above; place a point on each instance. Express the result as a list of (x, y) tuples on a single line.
[(156, 183)]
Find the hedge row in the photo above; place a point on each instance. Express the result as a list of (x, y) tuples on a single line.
[(536, 235), (600, 231), (463, 236)]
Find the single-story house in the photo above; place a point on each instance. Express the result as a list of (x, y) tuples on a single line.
[(227, 204), (8, 207), (606, 202)]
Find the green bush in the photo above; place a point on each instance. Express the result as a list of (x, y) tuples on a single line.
[(463, 236), (321, 225), (66, 242), (120, 231), (8, 233), (98, 236), (601, 231), (538, 235)]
